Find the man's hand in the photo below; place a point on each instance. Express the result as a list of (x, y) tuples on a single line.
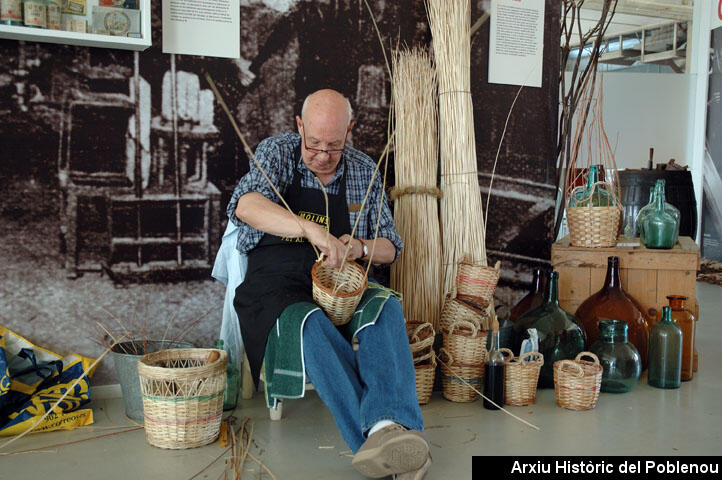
[(356, 249), (331, 246)]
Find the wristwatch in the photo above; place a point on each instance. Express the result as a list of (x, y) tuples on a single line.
[(364, 249)]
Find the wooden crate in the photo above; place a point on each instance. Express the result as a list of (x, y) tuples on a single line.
[(647, 275)]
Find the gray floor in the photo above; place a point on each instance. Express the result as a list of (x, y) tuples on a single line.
[(306, 444)]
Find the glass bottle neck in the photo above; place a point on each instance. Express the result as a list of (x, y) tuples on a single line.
[(667, 315), (537, 282), (612, 280), (676, 303), (593, 177), (552, 294)]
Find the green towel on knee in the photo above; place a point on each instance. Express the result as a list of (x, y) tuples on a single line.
[(283, 361)]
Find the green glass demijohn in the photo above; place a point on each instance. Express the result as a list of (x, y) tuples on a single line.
[(660, 228), (596, 194), (621, 363), (665, 352), (560, 336)]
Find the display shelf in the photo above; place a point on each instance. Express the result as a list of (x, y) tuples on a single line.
[(84, 39)]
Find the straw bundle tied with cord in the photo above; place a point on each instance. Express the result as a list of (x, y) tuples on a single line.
[(462, 218), (337, 291), (417, 271)]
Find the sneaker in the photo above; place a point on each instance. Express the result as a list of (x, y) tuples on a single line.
[(390, 451), (417, 474)]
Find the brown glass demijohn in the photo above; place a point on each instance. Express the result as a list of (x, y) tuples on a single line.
[(533, 299), (611, 302)]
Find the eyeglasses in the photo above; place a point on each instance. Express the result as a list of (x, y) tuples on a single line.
[(316, 151)]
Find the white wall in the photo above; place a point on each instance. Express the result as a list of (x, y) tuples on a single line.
[(643, 110)]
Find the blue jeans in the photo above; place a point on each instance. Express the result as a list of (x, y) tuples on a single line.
[(362, 388)]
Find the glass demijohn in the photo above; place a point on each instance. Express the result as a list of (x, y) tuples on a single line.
[(620, 360), (560, 337)]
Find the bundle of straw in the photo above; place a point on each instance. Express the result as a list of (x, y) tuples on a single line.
[(462, 219), (417, 271)]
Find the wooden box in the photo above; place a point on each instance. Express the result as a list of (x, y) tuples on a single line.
[(647, 275)]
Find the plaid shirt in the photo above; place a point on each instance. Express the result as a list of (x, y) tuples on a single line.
[(277, 157)]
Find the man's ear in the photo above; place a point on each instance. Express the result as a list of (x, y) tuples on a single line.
[(350, 126), (299, 124)]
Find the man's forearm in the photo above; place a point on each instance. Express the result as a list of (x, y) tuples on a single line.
[(383, 252), (269, 217)]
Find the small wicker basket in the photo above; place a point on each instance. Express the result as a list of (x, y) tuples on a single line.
[(182, 396), (577, 382), (338, 292), (466, 342), (421, 340), (425, 373), (457, 379), (521, 375), (477, 282), (455, 309), (594, 226)]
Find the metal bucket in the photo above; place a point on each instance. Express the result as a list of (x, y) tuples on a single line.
[(126, 367)]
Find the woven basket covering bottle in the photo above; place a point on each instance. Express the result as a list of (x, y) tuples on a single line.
[(620, 361), (560, 337), (533, 299), (684, 318), (611, 302)]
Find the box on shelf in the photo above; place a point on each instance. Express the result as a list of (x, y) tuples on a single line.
[(122, 22), (647, 275)]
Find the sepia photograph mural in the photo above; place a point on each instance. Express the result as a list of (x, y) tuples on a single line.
[(114, 195)]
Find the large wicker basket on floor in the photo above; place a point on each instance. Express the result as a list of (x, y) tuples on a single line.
[(577, 382), (456, 309), (521, 375), (182, 396), (594, 226), (477, 282), (338, 292), (465, 342), (458, 379), (425, 374)]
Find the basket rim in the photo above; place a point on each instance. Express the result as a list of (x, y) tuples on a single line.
[(329, 291), (142, 365)]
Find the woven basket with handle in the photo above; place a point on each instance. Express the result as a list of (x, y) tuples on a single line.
[(338, 292), (591, 226), (458, 379), (456, 309), (577, 382), (477, 282), (425, 370), (421, 340), (182, 396), (466, 342), (521, 375)]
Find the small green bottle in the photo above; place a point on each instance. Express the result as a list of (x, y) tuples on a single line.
[(230, 397), (665, 352)]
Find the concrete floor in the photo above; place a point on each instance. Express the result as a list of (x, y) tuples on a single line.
[(307, 445)]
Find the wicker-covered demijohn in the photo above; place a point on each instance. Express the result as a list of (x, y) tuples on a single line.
[(521, 375), (591, 226), (338, 292), (577, 382), (182, 396)]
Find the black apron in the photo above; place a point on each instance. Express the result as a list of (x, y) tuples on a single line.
[(279, 269)]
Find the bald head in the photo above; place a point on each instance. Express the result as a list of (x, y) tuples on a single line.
[(327, 103)]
